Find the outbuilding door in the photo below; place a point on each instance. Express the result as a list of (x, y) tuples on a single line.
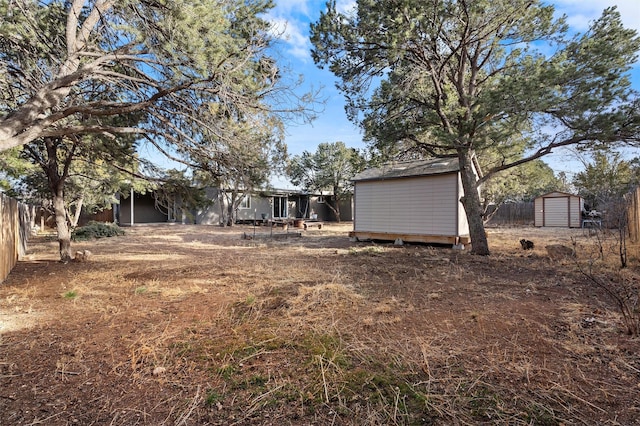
[(556, 211)]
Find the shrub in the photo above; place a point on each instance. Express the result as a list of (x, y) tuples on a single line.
[(96, 230)]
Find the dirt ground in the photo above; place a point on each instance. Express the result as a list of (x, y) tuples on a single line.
[(194, 325)]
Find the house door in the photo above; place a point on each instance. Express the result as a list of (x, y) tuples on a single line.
[(279, 207)]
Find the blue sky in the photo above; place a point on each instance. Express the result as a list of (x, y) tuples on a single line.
[(292, 18)]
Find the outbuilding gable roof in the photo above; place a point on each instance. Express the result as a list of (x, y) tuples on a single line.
[(405, 169), (557, 194)]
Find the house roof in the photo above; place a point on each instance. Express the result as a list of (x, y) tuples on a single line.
[(406, 169), (280, 192)]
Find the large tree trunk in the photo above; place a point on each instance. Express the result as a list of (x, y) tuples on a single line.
[(62, 225), (472, 204), (56, 181)]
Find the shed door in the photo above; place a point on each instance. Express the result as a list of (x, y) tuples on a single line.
[(556, 212)]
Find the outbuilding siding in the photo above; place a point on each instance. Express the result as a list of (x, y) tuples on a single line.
[(538, 218), (409, 206), (575, 210)]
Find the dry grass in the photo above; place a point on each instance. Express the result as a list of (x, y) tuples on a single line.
[(194, 325)]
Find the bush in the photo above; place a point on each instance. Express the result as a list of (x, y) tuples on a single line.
[(96, 230)]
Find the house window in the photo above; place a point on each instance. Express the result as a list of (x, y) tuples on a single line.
[(246, 202), (279, 207), (321, 199)]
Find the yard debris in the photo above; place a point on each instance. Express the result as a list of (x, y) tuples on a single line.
[(158, 371), (82, 256), (559, 252), (279, 235)]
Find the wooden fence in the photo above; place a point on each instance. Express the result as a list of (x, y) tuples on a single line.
[(15, 227), (513, 214), (633, 215)]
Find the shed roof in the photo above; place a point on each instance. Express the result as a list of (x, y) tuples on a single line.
[(561, 193), (413, 168)]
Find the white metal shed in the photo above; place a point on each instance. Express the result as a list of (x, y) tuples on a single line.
[(415, 201), (558, 209)]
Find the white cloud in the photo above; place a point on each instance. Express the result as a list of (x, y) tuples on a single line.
[(291, 18), (346, 6), (294, 34), (581, 13), (286, 7)]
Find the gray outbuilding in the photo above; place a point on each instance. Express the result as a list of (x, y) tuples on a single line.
[(558, 209), (413, 201)]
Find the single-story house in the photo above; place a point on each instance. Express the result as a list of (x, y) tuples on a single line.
[(558, 209), (415, 201), (275, 204), (135, 208)]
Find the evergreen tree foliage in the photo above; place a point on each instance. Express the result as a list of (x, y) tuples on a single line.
[(608, 177)]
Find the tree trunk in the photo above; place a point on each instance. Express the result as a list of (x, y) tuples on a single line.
[(472, 204), (76, 215), (335, 210), (56, 181), (62, 225), (336, 201), (223, 210), (230, 213), (232, 206)]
